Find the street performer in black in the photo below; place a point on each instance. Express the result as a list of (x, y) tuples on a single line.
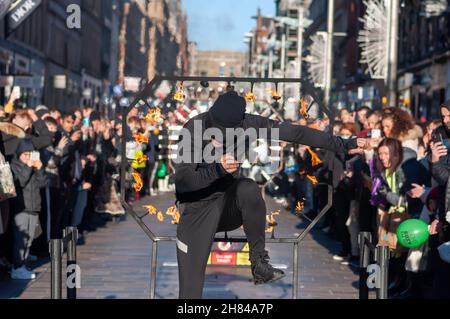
[(213, 197)]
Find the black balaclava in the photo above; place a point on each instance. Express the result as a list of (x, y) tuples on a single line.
[(228, 111)]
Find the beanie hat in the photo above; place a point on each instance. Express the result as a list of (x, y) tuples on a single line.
[(229, 110), (25, 145)]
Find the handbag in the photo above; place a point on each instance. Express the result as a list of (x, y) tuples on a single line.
[(388, 222), (7, 187)]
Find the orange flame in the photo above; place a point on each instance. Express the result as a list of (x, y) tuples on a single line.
[(154, 116), (315, 160), (250, 97), (179, 96), (300, 207), (138, 182), (160, 217), (173, 211), (271, 218), (304, 109), (140, 138), (141, 159), (275, 95), (313, 179), (151, 209)]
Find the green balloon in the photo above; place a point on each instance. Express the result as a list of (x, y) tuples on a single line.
[(162, 171), (412, 233)]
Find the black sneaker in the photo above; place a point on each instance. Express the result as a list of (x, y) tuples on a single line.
[(263, 272)]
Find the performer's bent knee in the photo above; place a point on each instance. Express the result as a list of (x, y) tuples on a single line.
[(248, 187)]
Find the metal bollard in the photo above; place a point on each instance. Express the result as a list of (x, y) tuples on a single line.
[(56, 268), (295, 272), (72, 259), (153, 266), (383, 261), (364, 255)]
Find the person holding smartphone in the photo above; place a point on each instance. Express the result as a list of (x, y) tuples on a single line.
[(29, 178), (440, 170)]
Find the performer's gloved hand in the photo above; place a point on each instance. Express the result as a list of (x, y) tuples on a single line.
[(229, 163)]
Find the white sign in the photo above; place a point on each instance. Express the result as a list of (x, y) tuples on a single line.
[(60, 82)]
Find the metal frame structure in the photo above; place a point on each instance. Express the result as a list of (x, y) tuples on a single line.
[(381, 255), (56, 254), (142, 96)]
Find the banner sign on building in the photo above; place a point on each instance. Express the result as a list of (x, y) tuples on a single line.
[(19, 12)]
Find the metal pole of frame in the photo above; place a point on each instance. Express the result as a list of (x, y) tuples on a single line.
[(72, 260), (329, 54), (383, 262), (364, 253), (56, 268), (295, 270), (154, 264), (393, 26)]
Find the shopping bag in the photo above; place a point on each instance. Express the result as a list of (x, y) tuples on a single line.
[(7, 188)]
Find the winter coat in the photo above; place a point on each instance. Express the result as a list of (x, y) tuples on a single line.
[(410, 172), (40, 136), (441, 174), (28, 182)]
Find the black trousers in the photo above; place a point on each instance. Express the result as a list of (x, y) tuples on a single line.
[(241, 204)]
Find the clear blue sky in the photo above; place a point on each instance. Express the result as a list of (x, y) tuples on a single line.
[(221, 24)]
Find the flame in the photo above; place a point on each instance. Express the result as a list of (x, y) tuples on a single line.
[(160, 216), (141, 159), (250, 97), (271, 218), (138, 182), (313, 179), (304, 109), (275, 95), (300, 207), (173, 211), (315, 160), (140, 138), (154, 116), (151, 209), (179, 96)]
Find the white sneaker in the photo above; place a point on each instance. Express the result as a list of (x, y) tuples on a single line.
[(338, 258), (22, 273)]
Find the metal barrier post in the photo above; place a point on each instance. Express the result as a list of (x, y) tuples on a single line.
[(295, 286), (56, 268), (72, 232), (154, 264), (364, 255), (383, 261)]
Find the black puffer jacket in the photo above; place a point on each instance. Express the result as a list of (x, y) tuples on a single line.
[(40, 136), (28, 182)]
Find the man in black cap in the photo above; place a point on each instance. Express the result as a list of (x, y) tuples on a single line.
[(214, 198)]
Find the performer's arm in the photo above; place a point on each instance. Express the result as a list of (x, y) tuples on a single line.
[(303, 135), (194, 177)]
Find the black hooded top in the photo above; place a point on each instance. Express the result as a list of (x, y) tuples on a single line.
[(203, 181)]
